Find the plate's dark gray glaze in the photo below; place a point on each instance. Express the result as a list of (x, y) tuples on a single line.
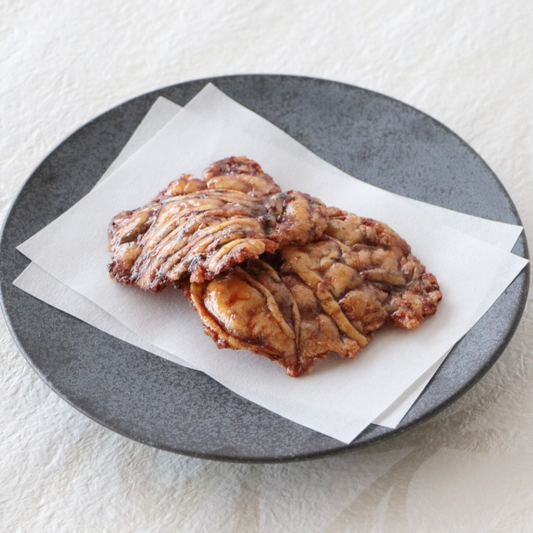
[(151, 400)]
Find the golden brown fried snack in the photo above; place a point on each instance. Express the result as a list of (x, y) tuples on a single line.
[(324, 296), (200, 228), (276, 273)]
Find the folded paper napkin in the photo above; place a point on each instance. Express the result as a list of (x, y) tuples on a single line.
[(341, 397)]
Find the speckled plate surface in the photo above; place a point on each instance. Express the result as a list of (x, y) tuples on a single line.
[(154, 401)]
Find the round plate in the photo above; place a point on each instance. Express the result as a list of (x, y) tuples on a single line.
[(156, 402)]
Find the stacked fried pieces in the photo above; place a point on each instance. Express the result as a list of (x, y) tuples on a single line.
[(277, 273)]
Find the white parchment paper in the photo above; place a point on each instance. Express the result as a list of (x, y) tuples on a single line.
[(342, 397), (42, 285)]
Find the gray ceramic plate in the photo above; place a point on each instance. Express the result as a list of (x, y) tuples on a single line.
[(153, 401)]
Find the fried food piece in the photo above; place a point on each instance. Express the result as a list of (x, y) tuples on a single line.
[(276, 273), (326, 296), (201, 228)]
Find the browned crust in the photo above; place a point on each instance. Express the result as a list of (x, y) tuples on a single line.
[(276, 273)]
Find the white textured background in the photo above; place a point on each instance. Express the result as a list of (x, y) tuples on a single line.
[(468, 63)]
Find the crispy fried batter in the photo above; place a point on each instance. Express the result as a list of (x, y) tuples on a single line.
[(325, 296), (275, 273), (200, 228), (385, 262)]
